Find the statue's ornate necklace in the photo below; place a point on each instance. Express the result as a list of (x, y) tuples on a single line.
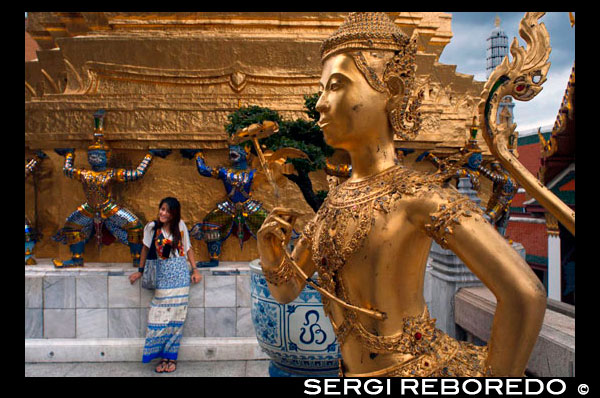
[(347, 214)]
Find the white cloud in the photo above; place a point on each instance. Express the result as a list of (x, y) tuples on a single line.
[(467, 50)]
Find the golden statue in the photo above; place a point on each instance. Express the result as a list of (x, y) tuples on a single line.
[(370, 240)]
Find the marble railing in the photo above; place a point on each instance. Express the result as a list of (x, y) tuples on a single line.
[(98, 302), (554, 352)]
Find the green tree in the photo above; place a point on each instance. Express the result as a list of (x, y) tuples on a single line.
[(301, 134)]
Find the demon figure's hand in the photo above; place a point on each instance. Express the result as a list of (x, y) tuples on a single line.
[(189, 153), (163, 153), (64, 151)]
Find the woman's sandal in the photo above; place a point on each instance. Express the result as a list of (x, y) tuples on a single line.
[(162, 365), (169, 363)]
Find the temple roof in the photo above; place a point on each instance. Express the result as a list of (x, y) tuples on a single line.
[(560, 150), (557, 170)]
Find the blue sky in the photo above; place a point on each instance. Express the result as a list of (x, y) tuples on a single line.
[(467, 50)]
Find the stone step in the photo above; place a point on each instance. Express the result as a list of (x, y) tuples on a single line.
[(130, 350)]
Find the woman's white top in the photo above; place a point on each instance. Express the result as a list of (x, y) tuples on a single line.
[(185, 237)]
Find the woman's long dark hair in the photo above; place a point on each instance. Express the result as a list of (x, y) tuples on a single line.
[(175, 210)]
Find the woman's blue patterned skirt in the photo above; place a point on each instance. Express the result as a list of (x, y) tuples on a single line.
[(168, 309)]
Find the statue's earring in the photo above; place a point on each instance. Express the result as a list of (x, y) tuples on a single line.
[(394, 105), (403, 111), (399, 79)]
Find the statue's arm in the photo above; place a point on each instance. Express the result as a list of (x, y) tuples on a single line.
[(272, 238), (34, 162), (431, 157), (490, 175), (521, 298), (204, 169), (127, 175), (68, 169), (520, 295), (30, 166)]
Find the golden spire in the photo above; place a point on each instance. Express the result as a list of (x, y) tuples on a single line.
[(497, 22), (572, 18)]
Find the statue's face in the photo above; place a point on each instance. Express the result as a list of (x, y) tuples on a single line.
[(237, 156), (474, 161), (351, 110), (98, 158)]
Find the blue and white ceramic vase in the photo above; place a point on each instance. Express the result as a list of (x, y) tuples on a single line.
[(297, 336)]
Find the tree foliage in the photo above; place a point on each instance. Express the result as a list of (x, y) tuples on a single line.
[(301, 134)]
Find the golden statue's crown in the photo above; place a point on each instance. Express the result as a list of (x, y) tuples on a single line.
[(365, 31), (99, 142)]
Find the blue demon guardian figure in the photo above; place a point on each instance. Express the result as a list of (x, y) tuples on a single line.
[(448, 171), (238, 214), (101, 215), (470, 165), (31, 235), (504, 190)]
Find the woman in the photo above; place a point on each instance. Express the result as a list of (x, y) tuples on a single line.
[(370, 239), (167, 240)]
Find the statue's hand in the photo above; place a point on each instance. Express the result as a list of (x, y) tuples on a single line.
[(189, 153), (64, 151), (40, 154), (163, 153), (274, 235)]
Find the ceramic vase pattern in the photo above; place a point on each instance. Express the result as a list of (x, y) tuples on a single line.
[(297, 336)]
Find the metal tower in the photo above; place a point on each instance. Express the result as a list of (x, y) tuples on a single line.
[(497, 49)]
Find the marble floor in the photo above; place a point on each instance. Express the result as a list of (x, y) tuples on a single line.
[(254, 368)]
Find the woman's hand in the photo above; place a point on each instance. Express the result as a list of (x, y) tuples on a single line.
[(134, 277), (196, 277)]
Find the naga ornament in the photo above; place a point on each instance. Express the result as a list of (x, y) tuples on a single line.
[(521, 79)]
